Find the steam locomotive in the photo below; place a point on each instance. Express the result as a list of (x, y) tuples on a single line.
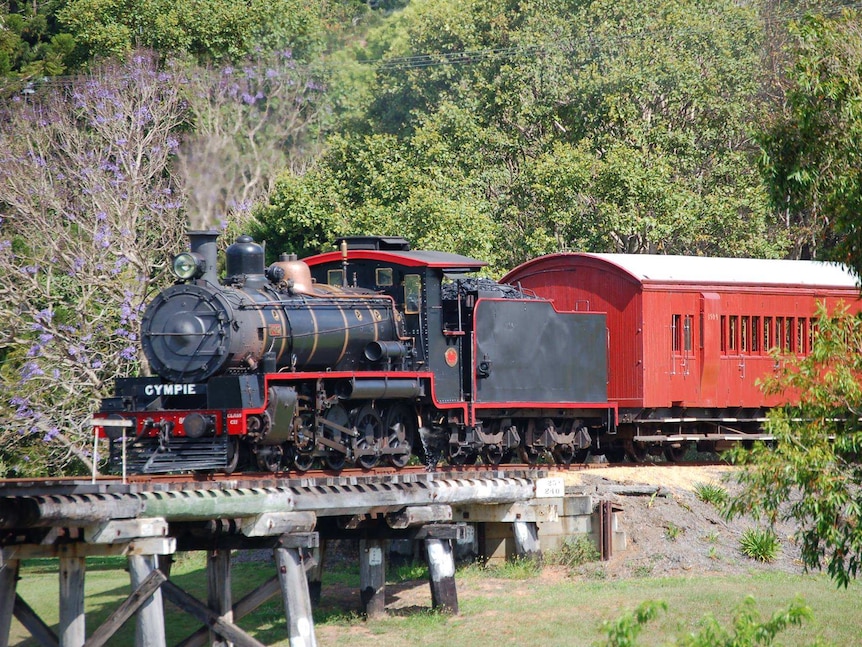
[(372, 353)]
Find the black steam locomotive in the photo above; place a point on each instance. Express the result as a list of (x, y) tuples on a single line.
[(370, 353)]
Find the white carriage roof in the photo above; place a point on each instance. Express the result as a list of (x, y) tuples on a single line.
[(704, 269)]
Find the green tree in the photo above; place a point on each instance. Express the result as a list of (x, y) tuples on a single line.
[(375, 184), (810, 148), (811, 473), (32, 43), (606, 126), (212, 30)]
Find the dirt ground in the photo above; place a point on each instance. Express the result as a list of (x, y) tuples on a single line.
[(674, 532)]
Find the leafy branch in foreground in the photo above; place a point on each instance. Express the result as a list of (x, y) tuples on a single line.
[(812, 474), (748, 628)]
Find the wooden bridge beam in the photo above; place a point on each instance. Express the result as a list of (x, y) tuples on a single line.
[(73, 630), (150, 627), (8, 585), (294, 587), (372, 576)]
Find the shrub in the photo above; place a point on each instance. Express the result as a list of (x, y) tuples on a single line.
[(575, 551), (711, 493), (759, 544)]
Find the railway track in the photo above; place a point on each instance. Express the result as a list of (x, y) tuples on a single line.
[(144, 482)]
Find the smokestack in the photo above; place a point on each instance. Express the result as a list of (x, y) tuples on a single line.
[(203, 243)]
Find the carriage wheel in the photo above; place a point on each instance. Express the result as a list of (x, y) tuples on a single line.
[(370, 428), (303, 461), (493, 454), (334, 459), (401, 429), (269, 458), (563, 454), (232, 455), (636, 452), (529, 455), (675, 453)]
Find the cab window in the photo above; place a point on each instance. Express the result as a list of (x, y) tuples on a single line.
[(383, 277), (412, 293), (335, 277)]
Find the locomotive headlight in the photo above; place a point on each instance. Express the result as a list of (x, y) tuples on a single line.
[(187, 266)]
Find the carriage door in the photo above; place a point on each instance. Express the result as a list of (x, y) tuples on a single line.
[(709, 346)]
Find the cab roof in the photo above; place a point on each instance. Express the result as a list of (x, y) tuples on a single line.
[(450, 263)]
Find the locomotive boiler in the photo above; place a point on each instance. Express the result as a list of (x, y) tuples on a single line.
[(371, 353), (273, 318)]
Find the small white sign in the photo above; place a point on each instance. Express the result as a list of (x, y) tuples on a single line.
[(550, 487), (375, 556)]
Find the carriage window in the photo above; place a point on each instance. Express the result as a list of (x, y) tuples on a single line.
[(675, 331), (788, 335), (412, 293), (733, 333), (744, 346), (723, 334), (383, 277), (779, 332), (768, 336), (801, 337), (686, 332), (335, 277), (755, 334)]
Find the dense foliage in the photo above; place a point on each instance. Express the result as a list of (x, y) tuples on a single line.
[(540, 126), (812, 474), (810, 145)]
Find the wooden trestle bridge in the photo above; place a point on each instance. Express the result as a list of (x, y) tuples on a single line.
[(149, 520)]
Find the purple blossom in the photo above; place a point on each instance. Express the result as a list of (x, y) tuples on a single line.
[(31, 370), (129, 353), (77, 266), (247, 98), (102, 237), (119, 264), (50, 435), (30, 269), (46, 337), (227, 71)]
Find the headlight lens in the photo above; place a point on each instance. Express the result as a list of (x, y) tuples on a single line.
[(185, 266)]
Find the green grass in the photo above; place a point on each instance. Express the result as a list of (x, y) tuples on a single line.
[(540, 609)]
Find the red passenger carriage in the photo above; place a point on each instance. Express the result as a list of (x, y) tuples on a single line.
[(689, 337)]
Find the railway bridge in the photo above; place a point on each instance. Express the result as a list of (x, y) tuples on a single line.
[(503, 512)]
